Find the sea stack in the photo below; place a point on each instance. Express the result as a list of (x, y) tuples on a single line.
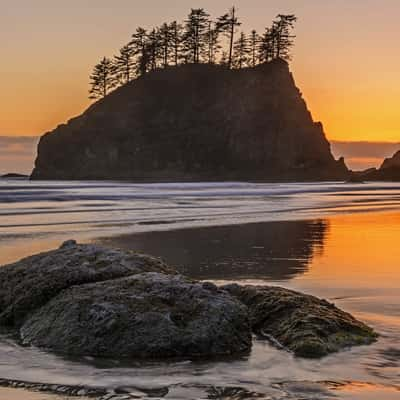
[(388, 171), (392, 162), (194, 122)]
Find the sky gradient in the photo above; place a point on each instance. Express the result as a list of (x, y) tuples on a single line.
[(346, 60)]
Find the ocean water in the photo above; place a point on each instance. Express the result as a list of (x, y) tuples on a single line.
[(39, 215), (335, 240)]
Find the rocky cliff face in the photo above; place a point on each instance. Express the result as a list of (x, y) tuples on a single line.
[(194, 122)]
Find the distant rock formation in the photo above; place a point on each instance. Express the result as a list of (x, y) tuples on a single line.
[(13, 175), (393, 162), (194, 122), (389, 171)]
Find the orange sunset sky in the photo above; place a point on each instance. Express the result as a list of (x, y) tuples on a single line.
[(346, 60)]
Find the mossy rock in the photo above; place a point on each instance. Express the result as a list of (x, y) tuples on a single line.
[(304, 324)]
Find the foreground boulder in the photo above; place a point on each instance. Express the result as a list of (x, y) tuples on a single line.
[(306, 325), (90, 300), (144, 316), (149, 315), (30, 283)]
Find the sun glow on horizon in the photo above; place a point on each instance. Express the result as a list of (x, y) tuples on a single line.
[(348, 76)]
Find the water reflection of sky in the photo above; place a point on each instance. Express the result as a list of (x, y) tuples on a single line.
[(49, 212)]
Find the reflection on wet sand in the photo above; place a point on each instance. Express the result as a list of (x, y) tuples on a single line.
[(273, 250), (361, 251), (350, 390)]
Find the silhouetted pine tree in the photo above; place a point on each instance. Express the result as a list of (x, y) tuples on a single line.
[(154, 48), (267, 46), (176, 40), (228, 24), (254, 42), (224, 59), (102, 79), (140, 50), (284, 40), (198, 40), (241, 51), (213, 42), (165, 36), (124, 64), (195, 34)]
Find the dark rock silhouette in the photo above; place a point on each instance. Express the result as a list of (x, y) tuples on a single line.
[(194, 122), (393, 162), (13, 175), (389, 171)]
